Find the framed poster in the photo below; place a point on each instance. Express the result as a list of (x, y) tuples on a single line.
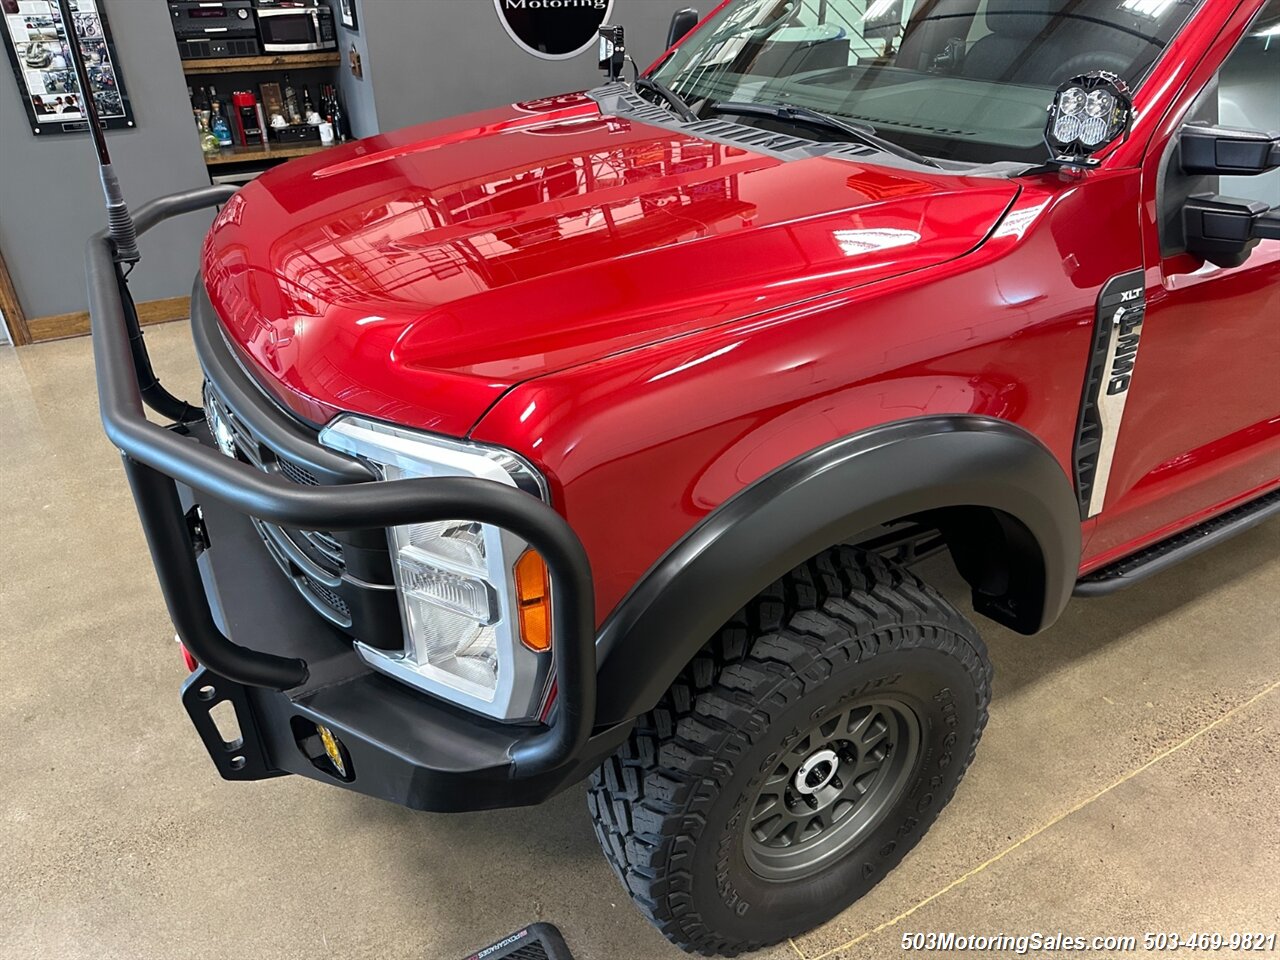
[(36, 40), (347, 14)]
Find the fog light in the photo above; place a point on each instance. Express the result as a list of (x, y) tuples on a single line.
[(332, 749)]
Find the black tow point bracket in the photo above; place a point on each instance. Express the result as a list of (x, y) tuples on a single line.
[(242, 758)]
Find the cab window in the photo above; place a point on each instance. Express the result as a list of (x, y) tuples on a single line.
[(964, 80)]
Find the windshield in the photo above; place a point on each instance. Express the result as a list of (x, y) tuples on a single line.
[(964, 80)]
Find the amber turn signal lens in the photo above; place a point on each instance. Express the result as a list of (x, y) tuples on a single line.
[(533, 594)]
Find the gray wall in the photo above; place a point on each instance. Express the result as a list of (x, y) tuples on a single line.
[(435, 58), (357, 92), (423, 59), (50, 200)]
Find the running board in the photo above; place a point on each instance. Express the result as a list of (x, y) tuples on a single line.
[(1157, 557), (1138, 566)]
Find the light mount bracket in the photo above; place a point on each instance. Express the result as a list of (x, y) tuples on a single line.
[(1088, 112), (613, 50)]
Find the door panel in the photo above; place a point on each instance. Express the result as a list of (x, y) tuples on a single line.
[(1201, 427)]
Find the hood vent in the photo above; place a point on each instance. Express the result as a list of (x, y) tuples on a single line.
[(752, 137), (638, 108)]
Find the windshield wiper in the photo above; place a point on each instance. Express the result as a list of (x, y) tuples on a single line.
[(808, 117), (667, 94)]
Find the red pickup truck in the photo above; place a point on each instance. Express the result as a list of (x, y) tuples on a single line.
[(597, 436)]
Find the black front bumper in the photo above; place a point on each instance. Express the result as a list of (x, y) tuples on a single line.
[(402, 745), (264, 650)]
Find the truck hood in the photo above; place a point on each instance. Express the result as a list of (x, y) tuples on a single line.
[(417, 276)]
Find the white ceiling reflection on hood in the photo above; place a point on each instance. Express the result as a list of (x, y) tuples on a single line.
[(854, 243)]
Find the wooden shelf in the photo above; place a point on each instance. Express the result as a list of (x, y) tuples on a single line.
[(272, 61), (273, 151)]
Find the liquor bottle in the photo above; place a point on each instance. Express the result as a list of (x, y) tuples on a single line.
[(307, 107), (221, 129), (208, 142), (200, 101), (290, 102), (340, 128)]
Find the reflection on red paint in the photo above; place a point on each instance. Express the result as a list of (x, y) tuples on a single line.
[(527, 243)]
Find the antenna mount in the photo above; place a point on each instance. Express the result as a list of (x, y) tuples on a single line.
[(120, 227)]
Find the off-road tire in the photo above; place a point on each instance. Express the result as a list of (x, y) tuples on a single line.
[(671, 805)]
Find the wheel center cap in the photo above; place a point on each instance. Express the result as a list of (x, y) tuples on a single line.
[(818, 770)]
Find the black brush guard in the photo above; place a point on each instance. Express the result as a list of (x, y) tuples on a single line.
[(159, 459)]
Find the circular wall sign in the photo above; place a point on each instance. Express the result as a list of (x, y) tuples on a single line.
[(553, 29)]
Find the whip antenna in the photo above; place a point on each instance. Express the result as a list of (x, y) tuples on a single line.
[(119, 221), (124, 238)]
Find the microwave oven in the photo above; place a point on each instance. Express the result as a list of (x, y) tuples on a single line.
[(295, 27)]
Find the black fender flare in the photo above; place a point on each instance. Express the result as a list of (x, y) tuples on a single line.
[(827, 496)]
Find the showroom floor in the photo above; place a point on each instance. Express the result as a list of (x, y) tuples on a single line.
[(1127, 782)]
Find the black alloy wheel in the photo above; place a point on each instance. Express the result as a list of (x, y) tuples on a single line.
[(831, 787)]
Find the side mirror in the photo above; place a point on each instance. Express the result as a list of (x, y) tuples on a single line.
[(1223, 230), (682, 21), (1203, 148)]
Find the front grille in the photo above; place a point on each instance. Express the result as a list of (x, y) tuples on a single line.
[(325, 544), (328, 597), (305, 575), (318, 562), (296, 473)]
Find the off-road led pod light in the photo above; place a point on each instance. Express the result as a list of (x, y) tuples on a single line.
[(1071, 101), (1088, 113)]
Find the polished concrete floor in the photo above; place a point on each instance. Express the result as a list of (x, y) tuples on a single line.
[(1129, 780)]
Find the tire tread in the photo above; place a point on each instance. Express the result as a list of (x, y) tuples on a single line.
[(647, 799)]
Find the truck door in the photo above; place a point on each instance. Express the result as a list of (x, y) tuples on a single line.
[(1201, 418)]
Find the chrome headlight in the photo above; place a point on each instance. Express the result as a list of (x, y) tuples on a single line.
[(456, 579)]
